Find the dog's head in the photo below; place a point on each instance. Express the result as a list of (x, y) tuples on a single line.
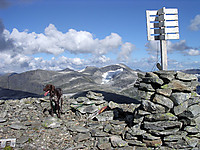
[(49, 88)]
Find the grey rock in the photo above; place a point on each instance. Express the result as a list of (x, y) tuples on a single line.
[(52, 122), (82, 100), (82, 137), (23, 139), (94, 96), (146, 87), (186, 77), (192, 129), (117, 129), (191, 112), (180, 108), (136, 143), (163, 101), (107, 128), (152, 107), (166, 75), (153, 80), (18, 126), (192, 84), (180, 144), (145, 94), (98, 133), (195, 121), (162, 125), (116, 141), (79, 128), (153, 143), (164, 132), (180, 97), (136, 130), (129, 107), (148, 136), (3, 114), (138, 119), (143, 113), (193, 100), (3, 120), (150, 74), (103, 143), (178, 136), (177, 85), (161, 117), (88, 109), (113, 105), (105, 116), (166, 92), (191, 141)]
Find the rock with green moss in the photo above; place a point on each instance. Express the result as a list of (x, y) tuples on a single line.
[(191, 141), (145, 94), (165, 91), (164, 101), (180, 97), (161, 117), (180, 108)]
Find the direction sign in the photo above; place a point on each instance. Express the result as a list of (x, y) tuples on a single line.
[(162, 22), (162, 25)]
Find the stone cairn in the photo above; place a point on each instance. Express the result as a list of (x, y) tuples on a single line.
[(170, 110), (165, 117)]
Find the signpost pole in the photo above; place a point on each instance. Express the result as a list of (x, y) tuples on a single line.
[(163, 48)]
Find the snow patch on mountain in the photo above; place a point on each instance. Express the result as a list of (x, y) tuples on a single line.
[(109, 75)]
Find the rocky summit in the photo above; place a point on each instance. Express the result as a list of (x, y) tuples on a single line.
[(165, 116)]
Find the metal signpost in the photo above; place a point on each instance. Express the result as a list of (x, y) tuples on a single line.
[(162, 25)]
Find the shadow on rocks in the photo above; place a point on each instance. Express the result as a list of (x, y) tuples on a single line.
[(6, 94), (108, 96)]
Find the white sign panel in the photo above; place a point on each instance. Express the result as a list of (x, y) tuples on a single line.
[(162, 24)]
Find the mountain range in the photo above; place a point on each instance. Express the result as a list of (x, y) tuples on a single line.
[(113, 78), (117, 78)]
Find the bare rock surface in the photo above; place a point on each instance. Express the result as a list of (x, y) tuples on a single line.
[(168, 118)]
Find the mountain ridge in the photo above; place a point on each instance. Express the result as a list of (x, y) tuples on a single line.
[(117, 78), (71, 81)]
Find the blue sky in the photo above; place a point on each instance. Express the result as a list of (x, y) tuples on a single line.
[(56, 34)]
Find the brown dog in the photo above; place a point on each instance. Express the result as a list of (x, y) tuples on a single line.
[(56, 96)]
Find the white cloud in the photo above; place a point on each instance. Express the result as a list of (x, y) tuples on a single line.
[(126, 50), (154, 46), (18, 47), (56, 42), (195, 23), (178, 46), (193, 52)]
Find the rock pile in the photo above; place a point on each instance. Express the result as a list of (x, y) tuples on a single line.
[(166, 117), (170, 110)]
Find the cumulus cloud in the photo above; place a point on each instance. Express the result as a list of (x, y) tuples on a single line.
[(126, 50), (56, 42), (195, 23), (178, 46), (193, 52), (18, 47), (154, 46), (4, 42)]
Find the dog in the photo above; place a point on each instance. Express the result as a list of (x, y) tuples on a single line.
[(56, 96)]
